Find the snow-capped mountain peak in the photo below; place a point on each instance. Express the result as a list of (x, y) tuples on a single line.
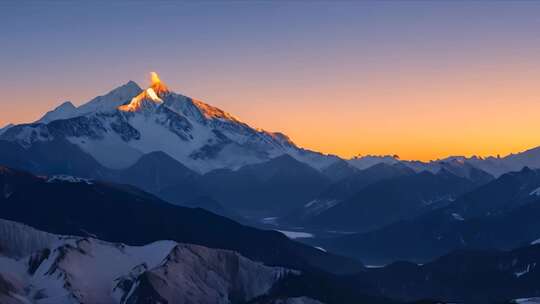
[(105, 103), (111, 100), (138, 102), (65, 110), (116, 129), (158, 93), (152, 94)]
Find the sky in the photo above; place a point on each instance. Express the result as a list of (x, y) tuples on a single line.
[(423, 80)]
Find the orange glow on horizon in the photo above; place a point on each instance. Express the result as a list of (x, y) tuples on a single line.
[(423, 81)]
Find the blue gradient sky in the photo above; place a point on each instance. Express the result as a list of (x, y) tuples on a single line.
[(420, 79)]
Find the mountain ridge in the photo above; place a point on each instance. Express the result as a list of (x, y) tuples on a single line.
[(133, 122)]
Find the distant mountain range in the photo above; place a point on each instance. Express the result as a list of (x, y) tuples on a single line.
[(495, 166), (502, 214), (390, 200)]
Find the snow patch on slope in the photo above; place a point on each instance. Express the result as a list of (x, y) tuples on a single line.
[(527, 301), (317, 206), (457, 217), (296, 234), (526, 270), (535, 192), (68, 179)]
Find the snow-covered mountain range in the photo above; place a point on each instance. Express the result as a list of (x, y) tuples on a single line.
[(39, 267), (119, 127), (128, 122), (495, 166)]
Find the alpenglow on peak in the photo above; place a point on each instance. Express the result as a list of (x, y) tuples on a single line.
[(154, 78), (118, 128), (157, 85), (153, 93)]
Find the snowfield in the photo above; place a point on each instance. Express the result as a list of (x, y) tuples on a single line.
[(536, 192), (296, 235)]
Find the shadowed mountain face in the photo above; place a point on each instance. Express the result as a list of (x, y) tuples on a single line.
[(501, 214), (153, 172), (273, 187), (118, 213), (156, 171), (210, 204), (341, 190), (339, 170), (391, 200), (52, 157), (486, 276), (472, 277)]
